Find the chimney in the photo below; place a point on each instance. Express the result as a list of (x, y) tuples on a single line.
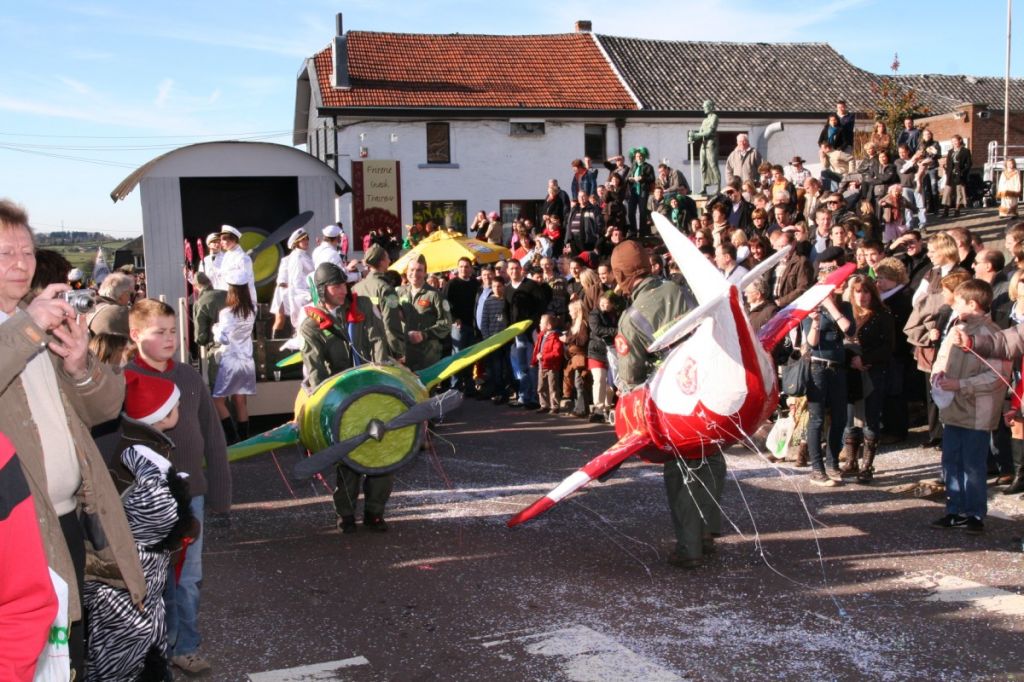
[(582, 26), (339, 48)]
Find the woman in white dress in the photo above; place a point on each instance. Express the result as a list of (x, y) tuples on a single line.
[(236, 374)]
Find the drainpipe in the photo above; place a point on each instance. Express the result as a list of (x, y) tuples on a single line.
[(620, 123)]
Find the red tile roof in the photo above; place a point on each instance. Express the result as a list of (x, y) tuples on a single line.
[(400, 70)]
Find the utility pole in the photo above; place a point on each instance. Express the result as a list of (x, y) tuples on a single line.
[(1006, 90)]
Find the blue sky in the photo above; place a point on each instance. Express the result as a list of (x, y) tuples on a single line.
[(91, 90)]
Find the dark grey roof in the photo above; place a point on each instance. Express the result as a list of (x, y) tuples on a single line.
[(766, 78), (942, 93)]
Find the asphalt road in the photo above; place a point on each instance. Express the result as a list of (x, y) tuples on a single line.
[(808, 583)]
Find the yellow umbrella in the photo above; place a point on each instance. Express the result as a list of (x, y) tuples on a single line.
[(444, 248)]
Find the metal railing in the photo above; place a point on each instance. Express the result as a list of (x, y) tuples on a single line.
[(996, 158)]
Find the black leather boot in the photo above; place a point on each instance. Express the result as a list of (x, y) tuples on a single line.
[(229, 430), (1018, 483)]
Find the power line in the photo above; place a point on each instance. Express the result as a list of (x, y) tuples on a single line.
[(103, 148), (98, 162), (273, 133)]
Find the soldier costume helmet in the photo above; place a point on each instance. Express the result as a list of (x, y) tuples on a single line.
[(325, 275)]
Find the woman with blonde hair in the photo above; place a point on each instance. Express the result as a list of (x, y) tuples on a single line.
[(923, 328), (577, 376), (1008, 189)]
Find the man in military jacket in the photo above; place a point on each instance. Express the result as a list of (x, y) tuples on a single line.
[(384, 300), (338, 332), (428, 319), (335, 337), (693, 486)]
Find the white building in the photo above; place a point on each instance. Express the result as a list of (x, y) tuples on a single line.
[(254, 186), (462, 123)]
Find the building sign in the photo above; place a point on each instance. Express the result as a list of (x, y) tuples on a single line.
[(376, 197), (448, 214)]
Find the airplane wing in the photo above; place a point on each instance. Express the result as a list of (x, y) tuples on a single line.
[(775, 329), (609, 459), (280, 437), (451, 365), (467, 357)]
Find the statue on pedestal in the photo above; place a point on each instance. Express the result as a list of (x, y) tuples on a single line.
[(707, 136)]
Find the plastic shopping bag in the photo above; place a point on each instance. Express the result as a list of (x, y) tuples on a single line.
[(55, 661)]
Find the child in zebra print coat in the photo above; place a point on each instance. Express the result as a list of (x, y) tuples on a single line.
[(125, 643)]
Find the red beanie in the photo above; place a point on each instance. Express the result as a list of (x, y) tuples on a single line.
[(148, 399)]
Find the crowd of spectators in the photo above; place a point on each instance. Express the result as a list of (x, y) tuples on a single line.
[(895, 341)]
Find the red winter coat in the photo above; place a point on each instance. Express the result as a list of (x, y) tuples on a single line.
[(28, 604), (549, 352)]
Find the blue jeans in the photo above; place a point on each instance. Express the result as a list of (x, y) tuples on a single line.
[(182, 599), (826, 392), (497, 383), (964, 467), (462, 337), (522, 351)]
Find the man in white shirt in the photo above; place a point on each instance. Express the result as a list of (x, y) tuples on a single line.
[(300, 266), (211, 262), (725, 259), (327, 251)]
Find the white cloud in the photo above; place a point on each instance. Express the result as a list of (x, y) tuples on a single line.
[(221, 36), (78, 87), (163, 92), (728, 20), (90, 55), (106, 112), (263, 86)]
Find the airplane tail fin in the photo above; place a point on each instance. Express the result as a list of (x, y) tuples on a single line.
[(626, 446), (706, 281), (775, 329), (467, 357), (282, 436)]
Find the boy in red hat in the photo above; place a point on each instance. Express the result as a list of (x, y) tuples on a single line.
[(200, 451), (124, 642)]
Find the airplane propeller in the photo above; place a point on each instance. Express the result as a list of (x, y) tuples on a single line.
[(282, 233), (433, 407)]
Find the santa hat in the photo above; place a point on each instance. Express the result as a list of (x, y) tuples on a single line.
[(148, 399)]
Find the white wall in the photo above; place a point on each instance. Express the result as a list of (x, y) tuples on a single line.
[(494, 166), (161, 199)]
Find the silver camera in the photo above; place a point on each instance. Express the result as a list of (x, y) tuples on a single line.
[(81, 302)]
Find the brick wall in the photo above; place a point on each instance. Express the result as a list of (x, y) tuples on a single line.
[(976, 131)]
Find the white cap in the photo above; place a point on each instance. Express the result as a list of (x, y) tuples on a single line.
[(238, 278), (227, 229), (297, 236), (212, 237), (332, 231), (76, 275)]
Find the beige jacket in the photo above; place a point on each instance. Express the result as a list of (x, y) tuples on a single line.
[(979, 401), (111, 556)]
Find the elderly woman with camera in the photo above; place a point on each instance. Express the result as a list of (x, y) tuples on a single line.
[(51, 391)]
